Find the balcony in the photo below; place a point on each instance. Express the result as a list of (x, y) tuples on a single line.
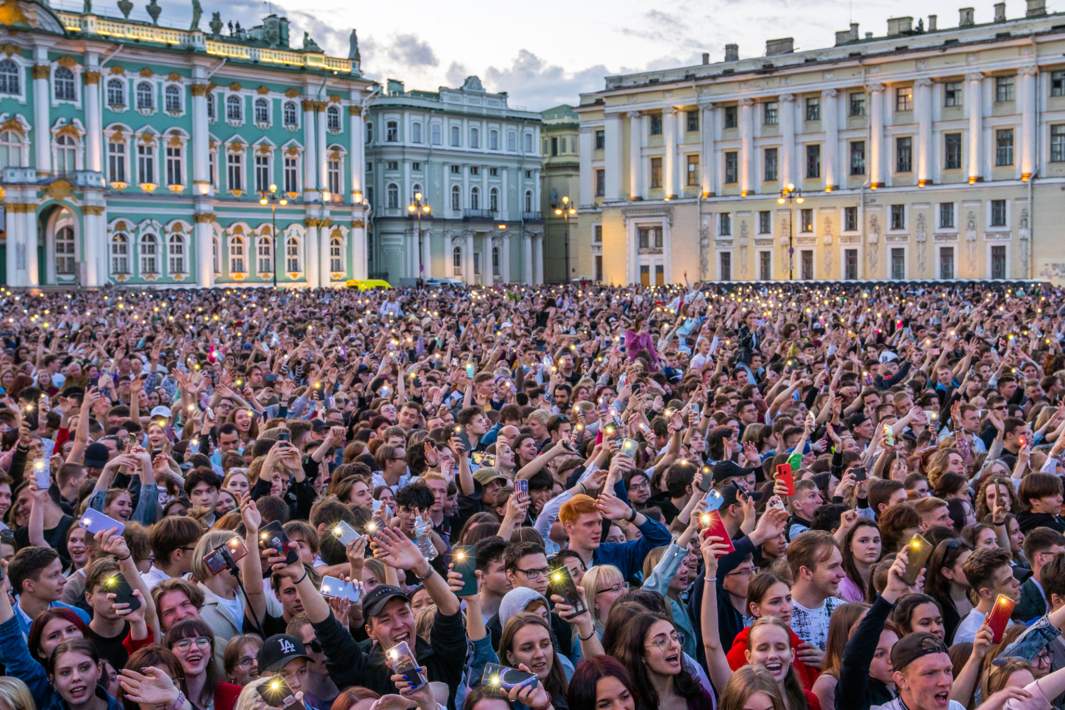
[(478, 214), (532, 216)]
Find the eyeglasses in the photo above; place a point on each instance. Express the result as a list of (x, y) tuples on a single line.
[(663, 641), (614, 588), (741, 571), (247, 661), (534, 573), (187, 643)]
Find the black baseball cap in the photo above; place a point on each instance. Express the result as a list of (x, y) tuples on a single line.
[(724, 470), (278, 650), (913, 646), (374, 602)]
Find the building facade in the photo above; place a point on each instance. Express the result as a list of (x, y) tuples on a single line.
[(475, 163), (925, 153), (134, 153), (560, 148)]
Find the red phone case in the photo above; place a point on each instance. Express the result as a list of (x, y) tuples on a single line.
[(999, 617), (717, 528), (784, 474)]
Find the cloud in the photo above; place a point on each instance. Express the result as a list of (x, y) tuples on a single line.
[(456, 74), (537, 84), (410, 51), (663, 27)]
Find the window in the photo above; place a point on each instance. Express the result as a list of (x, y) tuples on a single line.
[(1004, 147), (175, 254), (850, 219), (416, 132), (289, 115), (770, 115), (725, 266), (512, 141), (392, 132), (903, 99), (998, 213), (234, 109), (392, 165), (528, 143), (813, 161), (806, 264), (998, 261), (903, 154), (731, 117), (850, 264), (732, 167), (724, 225), (235, 170), (369, 133), (116, 161), (493, 139), (264, 255), (64, 251), (291, 173), (600, 182), (554, 146), (475, 138), (66, 154), (149, 254), (212, 166), (952, 151), (116, 94), (898, 218), (174, 171), (172, 98), (765, 222), (600, 140), (946, 215), (493, 199), (392, 196), (691, 120), (475, 198), (898, 263), (656, 173), (10, 77), (332, 119), (475, 170), (856, 104), (216, 255), (434, 134), (806, 220), (952, 94), (145, 96), (1003, 89), (495, 261), (656, 124), (857, 161), (765, 265), (492, 172), (237, 256), (650, 237), (336, 254), (10, 149), (456, 169), (456, 198), (692, 170), (262, 172), (813, 109), (293, 262), (946, 262), (456, 262), (456, 136), (211, 115), (528, 201), (597, 234), (64, 85), (1057, 83), (1057, 143), (769, 164), (262, 112), (119, 254), (332, 170)]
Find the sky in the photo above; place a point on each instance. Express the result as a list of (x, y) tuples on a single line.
[(548, 52)]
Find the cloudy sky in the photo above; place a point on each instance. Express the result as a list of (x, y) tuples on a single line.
[(547, 52)]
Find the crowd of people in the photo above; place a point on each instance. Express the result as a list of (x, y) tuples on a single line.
[(746, 497)]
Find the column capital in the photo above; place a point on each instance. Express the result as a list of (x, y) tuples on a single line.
[(633, 114), (923, 82), (747, 102), (875, 87), (786, 98), (93, 209), (307, 104), (974, 76), (204, 218), (1029, 71), (91, 77), (40, 71), (200, 89), (354, 110), (830, 93)]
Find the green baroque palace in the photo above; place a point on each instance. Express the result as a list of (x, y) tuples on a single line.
[(133, 153)]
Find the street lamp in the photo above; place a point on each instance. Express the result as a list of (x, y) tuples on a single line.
[(566, 211), (419, 206), (272, 198), (788, 194)]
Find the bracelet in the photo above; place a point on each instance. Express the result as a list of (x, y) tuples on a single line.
[(709, 580), (303, 577), (585, 638), (123, 559), (632, 515), (427, 574)]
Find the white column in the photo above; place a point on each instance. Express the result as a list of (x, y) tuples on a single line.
[(94, 154), (310, 245), (612, 155), (538, 259), (42, 132), (323, 155), (310, 152), (974, 106), (923, 106), (536, 190), (830, 121), (1029, 83), (467, 260), (635, 155), (746, 145), (504, 193), (708, 158), (15, 237), (586, 186), (876, 134), (33, 278), (504, 256), (358, 248), (427, 253), (201, 135), (356, 153), (526, 260), (204, 250), (787, 139), (669, 161), (486, 260), (325, 273), (464, 201), (91, 243)]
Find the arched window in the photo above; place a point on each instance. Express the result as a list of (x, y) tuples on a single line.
[(116, 94), (262, 112), (415, 189), (475, 198), (237, 256), (145, 96), (149, 254), (495, 261), (10, 149), (64, 85), (146, 161), (172, 98), (493, 199), (175, 254), (119, 254), (332, 118), (116, 160), (333, 173), (456, 261), (293, 262), (392, 196), (66, 154), (475, 138), (290, 116), (264, 255), (416, 132), (10, 77), (336, 254), (234, 109), (493, 139), (528, 201), (64, 251), (456, 198)]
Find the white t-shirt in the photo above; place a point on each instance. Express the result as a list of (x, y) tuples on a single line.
[(969, 626)]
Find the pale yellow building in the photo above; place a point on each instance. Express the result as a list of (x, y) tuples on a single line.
[(923, 153)]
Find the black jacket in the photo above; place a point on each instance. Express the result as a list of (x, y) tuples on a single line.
[(856, 690)]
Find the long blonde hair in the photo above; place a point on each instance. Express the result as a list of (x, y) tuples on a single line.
[(15, 695)]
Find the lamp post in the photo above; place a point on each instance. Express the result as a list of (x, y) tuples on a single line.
[(274, 200), (788, 194), (566, 211), (419, 206)]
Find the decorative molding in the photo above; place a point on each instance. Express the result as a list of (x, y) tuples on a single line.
[(91, 78), (173, 76), (292, 92), (117, 70), (68, 62), (146, 72), (235, 86), (263, 90), (200, 89), (354, 110), (204, 218), (307, 105), (9, 49), (40, 71), (93, 210)]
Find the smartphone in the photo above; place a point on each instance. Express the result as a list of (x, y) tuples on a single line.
[(220, 559), (561, 582), (918, 551), (707, 481), (346, 534), (464, 561), (471, 370), (94, 521), (629, 447), (610, 430), (999, 617), (339, 589), (284, 435), (401, 660), (503, 678), (274, 536), (714, 525), (521, 486), (785, 474), (889, 435), (713, 500), (276, 693), (860, 474), (480, 458), (42, 474), (116, 584)]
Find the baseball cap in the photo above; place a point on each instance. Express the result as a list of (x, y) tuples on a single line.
[(724, 470), (160, 412), (913, 646), (486, 475), (278, 650), (96, 455), (374, 601)]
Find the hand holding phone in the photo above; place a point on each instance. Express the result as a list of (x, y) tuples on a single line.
[(918, 550), (999, 617), (116, 584), (344, 533), (714, 525), (464, 561), (96, 522), (274, 536), (504, 678), (336, 588), (561, 583), (785, 474), (401, 660)]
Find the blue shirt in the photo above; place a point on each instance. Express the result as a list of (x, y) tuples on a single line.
[(23, 619), (628, 556)]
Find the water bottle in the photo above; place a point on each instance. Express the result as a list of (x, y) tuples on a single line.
[(422, 538)]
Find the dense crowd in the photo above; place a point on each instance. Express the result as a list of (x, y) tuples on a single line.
[(586, 498)]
